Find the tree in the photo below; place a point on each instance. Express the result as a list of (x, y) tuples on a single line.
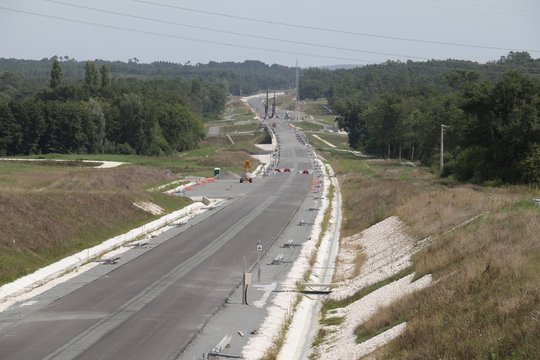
[(91, 76), (351, 119), (94, 127), (105, 76), (64, 131), (530, 166), (56, 74), (182, 129), (28, 113), (504, 120), (10, 131)]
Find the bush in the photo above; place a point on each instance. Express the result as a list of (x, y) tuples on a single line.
[(124, 149), (470, 164), (531, 166)]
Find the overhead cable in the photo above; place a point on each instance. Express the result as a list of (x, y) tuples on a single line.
[(232, 32), (153, 33), (317, 28)]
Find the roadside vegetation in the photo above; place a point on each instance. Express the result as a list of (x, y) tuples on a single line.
[(54, 209), (486, 274), (480, 243), (396, 110)]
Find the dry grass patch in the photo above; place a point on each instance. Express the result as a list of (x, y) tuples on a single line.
[(52, 212), (484, 301), (487, 294), (129, 178), (232, 160), (436, 209), (40, 227)]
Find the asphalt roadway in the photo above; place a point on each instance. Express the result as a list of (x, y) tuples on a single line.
[(152, 304)]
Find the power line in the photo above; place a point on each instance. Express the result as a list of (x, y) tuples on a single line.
[(316, 28), (231, 32), (503, 10), (361, 61)]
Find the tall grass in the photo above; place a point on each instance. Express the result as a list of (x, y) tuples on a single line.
[(484, 302)]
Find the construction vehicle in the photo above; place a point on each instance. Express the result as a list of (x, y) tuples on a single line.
[(246, 177)]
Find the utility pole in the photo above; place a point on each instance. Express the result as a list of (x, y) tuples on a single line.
[(266, 106), (443, 129), (273, 107), (296, 103)]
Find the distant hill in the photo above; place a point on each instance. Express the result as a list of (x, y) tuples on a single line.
[(341, 67)]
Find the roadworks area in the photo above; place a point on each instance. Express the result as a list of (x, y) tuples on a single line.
[(290, 322)]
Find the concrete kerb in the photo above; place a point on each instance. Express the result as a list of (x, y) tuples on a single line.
[(45, 274)]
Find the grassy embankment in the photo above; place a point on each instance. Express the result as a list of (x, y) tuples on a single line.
[(484, 299), (51, 210), (237, 120)]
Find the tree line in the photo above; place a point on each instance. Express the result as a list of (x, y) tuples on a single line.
[(395, 110), (245, 78), (103, 114)]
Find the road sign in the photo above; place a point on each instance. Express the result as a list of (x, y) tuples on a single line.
[(259, 247)]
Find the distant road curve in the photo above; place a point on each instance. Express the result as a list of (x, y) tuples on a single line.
[(103, 164)]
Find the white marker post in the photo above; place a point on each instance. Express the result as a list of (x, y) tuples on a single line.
[(259, 251)]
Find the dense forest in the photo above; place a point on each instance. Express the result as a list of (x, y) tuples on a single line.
[(491, 113), (99, 113), (244, 78)]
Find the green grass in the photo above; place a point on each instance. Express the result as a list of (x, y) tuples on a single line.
[(309, 126), (228, 129), (245, 116), (340, 141), (186, 163), (81, 220), (333, 321)]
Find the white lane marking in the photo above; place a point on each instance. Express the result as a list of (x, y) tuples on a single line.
[(28, 303), (267, 290)]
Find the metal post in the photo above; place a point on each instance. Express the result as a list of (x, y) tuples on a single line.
[(244, 283), (259, 251), (259, 266), (443, 127)]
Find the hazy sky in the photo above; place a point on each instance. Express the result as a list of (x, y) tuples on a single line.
[(345, 31)]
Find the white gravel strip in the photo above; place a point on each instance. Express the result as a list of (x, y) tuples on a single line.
[(150, 207), (324, 141), (375, 342), (104, 164), (388, 249), (10, 292), (342, 344)]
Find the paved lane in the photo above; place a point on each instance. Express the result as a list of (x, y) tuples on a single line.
[(152, 306)]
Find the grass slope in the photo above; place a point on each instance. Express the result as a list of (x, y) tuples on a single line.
[(486, 291), (51, 210)]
